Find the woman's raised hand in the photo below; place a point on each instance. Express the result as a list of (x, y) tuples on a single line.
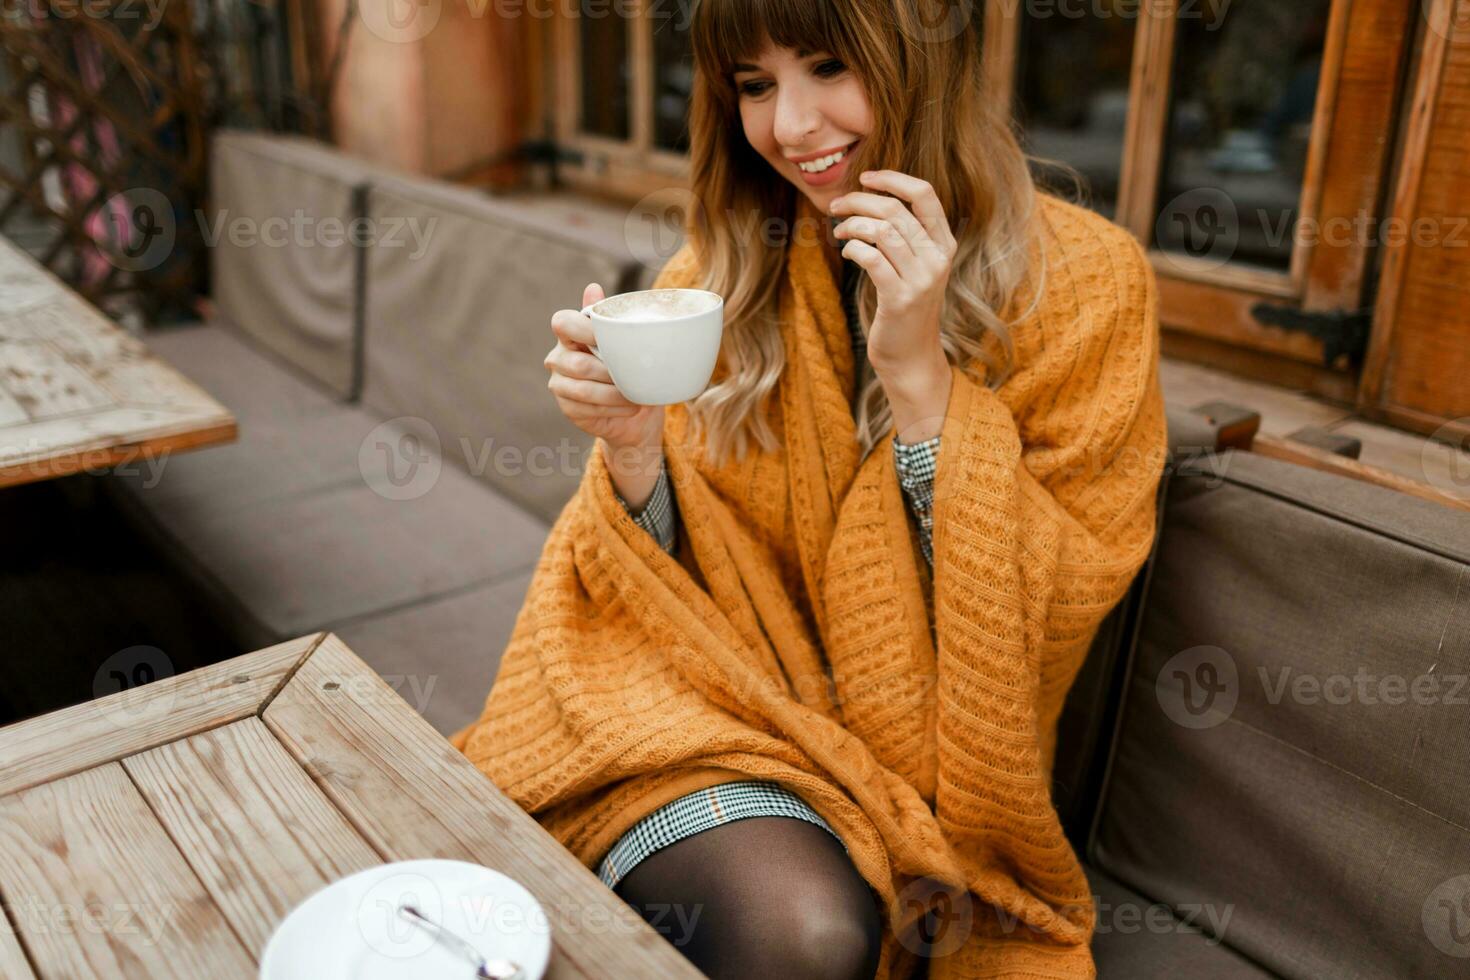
[(584, 390)]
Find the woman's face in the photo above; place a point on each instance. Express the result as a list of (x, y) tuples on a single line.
[(800, 109)]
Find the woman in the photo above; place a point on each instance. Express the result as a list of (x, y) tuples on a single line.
[(791, 662)]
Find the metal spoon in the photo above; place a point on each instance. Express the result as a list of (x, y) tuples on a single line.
[(484, 969)]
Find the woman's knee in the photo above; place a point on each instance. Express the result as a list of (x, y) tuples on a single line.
[(832, 940), (762, 897), (820, 930)]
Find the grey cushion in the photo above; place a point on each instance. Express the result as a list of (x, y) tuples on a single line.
[(293, 437), (291, 284), (296, 521), (457, 334), (441, 656), (1335, 828), (1137, 939), (246, 378)]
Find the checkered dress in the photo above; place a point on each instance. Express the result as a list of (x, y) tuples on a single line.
[(698, 811), (727, 802)]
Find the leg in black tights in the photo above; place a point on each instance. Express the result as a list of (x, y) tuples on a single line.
[(775, 898)]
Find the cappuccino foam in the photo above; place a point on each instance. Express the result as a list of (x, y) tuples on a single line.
[(654, 304)]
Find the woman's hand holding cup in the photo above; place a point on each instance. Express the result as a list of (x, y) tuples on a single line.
[(586, 395)]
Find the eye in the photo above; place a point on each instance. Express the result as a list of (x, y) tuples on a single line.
[(830, 68), (752, 88)]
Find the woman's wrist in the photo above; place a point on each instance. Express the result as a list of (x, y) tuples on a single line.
[(918, 396), (634, 471)]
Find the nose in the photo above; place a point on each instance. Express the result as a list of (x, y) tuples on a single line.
[(797, 116)]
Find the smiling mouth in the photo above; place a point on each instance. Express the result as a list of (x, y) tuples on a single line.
[(826, 163)]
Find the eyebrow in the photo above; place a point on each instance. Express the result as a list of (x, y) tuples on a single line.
[(800, 53)]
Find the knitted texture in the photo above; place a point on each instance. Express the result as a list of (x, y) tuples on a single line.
[(798, 636)]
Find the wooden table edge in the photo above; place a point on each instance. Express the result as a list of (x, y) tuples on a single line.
[(67, 754), (73, 461)]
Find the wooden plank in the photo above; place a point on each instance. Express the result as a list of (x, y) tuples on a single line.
[(250, 822), (97, 889), (1148, 119), (1357, 149), (1320, 459), (1296, 375), (1282, 410), (1441, 464), (412, 795), (1224, 314), (13, 962), (1413, 157), (85, 735), (1324, 121)]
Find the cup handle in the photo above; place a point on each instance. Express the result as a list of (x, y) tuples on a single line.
[(592, 348)]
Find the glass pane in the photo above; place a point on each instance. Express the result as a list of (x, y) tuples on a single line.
[(673, 79), (605, 71), (1244, 89), (1072, 92)]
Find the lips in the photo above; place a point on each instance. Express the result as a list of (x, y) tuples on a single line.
[(834, 173), (821, 153), (830, 158)]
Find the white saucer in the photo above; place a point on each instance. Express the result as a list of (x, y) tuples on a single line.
[(351, 929)]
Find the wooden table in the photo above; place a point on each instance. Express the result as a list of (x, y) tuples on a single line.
[(165, 831), (77, 392)]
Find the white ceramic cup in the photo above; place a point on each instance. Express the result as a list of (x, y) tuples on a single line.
[(659, 345)]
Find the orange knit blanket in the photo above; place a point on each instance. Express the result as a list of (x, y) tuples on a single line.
[(798, 637)]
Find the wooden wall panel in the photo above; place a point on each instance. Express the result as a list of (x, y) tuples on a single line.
[(1418, 371)]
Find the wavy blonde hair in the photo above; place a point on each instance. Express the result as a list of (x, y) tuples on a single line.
[(931, 119)]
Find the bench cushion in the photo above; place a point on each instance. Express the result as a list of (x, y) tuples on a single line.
[(457, 334), (1137, 939), (441, 656), (286, 520), (1253, 768), (288, 276)]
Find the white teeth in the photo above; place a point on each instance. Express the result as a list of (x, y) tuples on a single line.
[(818, 165)]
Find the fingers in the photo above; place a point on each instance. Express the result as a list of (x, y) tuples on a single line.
[(921, 195), (579, 413), (576, 364), (890, 209), (573, 329), (877, 266), (888, 240), (591, 294)]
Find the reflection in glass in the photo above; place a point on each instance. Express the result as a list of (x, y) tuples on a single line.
[(605, 71), (1072, 93), (1244, 89), (673, 78)]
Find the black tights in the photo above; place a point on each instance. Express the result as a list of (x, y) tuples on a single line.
[(774, 898)]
